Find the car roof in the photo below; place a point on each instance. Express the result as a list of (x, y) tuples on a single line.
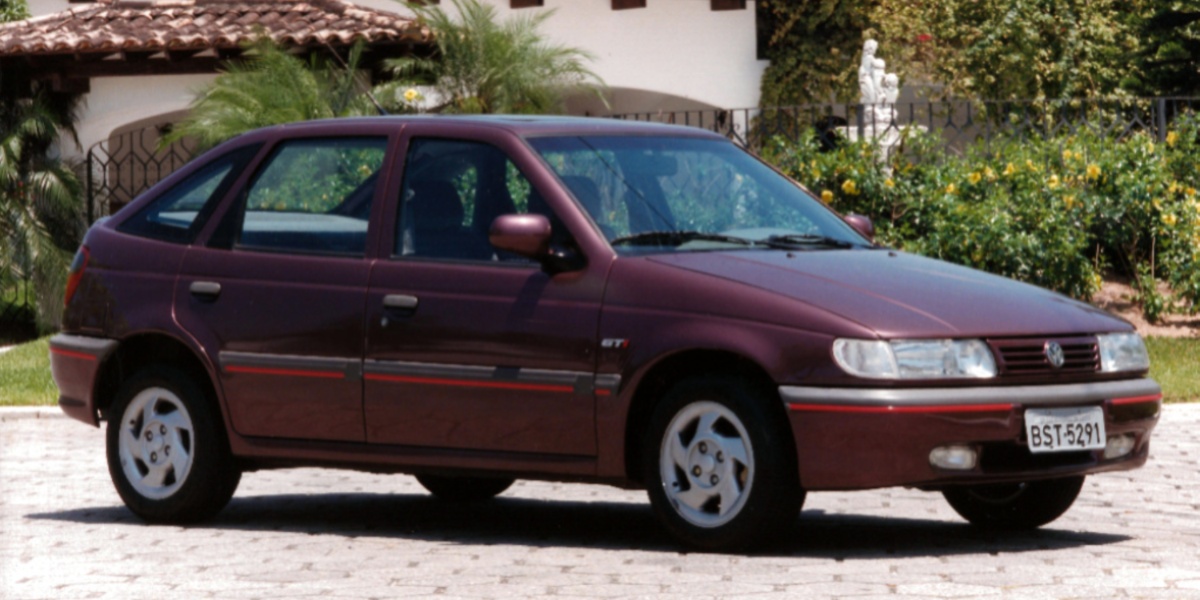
[(522, 125)]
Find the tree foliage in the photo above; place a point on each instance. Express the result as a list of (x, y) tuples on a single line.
[(270, 87), (1011, 49), (13, 10), (981, 49), (484, 65), (813, 49), (1168, 62), (40, 197)]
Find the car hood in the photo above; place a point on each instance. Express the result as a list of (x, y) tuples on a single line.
[(901, 295)]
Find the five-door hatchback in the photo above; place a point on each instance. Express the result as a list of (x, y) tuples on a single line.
[(473, 300)]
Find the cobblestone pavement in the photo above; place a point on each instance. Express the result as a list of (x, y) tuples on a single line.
[(333, 534)]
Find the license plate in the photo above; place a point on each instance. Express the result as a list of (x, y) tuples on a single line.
[(1064, 429)]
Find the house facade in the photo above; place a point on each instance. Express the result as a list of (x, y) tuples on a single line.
[(139, 64)]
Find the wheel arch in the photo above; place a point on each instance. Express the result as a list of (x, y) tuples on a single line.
[(144, 349), (677, 367)]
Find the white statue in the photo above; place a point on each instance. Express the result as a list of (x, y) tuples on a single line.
[(879, 90), (866, 74), (885, 108)]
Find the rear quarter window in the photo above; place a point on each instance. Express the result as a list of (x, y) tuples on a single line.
[(178, 214)]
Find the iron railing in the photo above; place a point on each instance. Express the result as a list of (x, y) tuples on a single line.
[(960, 123), (127, 164)]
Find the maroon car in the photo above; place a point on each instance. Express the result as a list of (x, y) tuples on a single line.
[(473, 300)]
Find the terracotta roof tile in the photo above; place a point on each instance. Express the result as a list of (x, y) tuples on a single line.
[(113, 25)]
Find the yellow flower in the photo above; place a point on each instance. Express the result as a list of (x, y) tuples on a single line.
[(850, 188), (1070, 202), (989, 173), (1066, 155), (1093, 171), (1169, 219), (826, 196), (1190, 192), (1174, 187), (1172, 138), (1150, 147), (950, 189), (973, 178), (1029, 164), (1053, 183), (816, 173), (1010, 170), (888, 183), (411, 95)]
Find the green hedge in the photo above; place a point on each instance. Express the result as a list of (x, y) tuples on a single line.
[(1054, 212)]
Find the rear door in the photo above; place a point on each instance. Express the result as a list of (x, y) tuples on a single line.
[(277, 292), (467, 348)]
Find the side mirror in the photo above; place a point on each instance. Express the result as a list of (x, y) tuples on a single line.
[(861, 224), (525, 235)]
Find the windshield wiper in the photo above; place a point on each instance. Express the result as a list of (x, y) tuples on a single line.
[(676, 238), (808, 239)]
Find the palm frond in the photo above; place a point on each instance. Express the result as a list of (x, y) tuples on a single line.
[(484, 65)]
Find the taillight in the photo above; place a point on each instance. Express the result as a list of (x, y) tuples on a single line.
[(77, 268)]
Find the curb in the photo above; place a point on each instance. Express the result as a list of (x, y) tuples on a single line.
[(13, 413)]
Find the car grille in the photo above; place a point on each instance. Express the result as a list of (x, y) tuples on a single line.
[(1027, 356)]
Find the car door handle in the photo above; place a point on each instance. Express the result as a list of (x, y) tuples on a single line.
[(401, 303), (205, 289)]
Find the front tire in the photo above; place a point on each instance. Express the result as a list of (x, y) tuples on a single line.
[(167, 451), (720, 465), (1015, 506)]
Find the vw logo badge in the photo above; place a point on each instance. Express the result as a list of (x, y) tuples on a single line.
[(1054, 353)]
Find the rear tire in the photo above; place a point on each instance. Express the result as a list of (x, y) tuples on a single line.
[(167, 451), (464, 489), (1015, 506), (720, 465)]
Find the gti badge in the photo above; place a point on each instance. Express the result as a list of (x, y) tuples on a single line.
[(614, 343), (1054, 353)]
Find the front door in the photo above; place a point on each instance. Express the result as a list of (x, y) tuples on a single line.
[(467, 348), (277, 294)]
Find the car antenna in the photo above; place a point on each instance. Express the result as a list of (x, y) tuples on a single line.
[(367, 92)]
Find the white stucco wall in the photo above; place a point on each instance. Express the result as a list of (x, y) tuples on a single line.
[(45, 7), (672, 55), (117, 101), (682, 49)]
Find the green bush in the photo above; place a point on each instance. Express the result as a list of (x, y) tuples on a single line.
[(1053, 212)]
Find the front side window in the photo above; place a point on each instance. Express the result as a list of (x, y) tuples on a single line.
[(313, 197), (655, 194), (452, 192)]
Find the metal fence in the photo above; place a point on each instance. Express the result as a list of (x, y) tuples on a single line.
[(127, 164), (960, 123)]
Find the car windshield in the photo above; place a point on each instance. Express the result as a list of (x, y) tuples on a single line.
[(652, 194)]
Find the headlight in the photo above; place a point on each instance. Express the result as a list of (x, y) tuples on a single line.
[(1122, 352), (915, 359)]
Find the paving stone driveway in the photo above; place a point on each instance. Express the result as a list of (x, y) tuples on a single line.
[(333, 534)]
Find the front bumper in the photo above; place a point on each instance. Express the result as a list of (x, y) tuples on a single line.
[(850, 438), (75, 362)]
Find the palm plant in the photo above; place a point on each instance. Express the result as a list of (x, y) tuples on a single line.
[(40, 199), (13, 10), (269, 88), (482, 65)]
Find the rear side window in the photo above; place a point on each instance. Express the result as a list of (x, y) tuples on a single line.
[(178, 214), (313, 196)]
